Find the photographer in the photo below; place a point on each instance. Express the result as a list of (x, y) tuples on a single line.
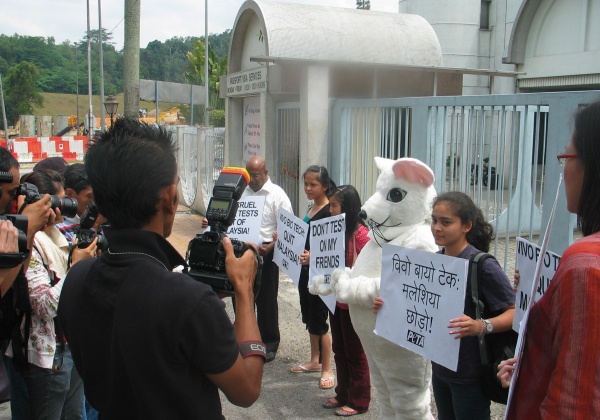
[(78, 187), (151, 343), (53, 386), (37, 213)]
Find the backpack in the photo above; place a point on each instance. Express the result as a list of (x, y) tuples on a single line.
[(495, 347)]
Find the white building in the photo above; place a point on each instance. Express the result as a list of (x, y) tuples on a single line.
[(554, 43)]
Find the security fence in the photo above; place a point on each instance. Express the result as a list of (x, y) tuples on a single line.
[(499, 149)]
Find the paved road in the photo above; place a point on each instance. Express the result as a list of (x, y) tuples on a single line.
[(284, 394)]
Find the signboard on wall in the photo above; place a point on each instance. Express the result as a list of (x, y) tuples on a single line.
[(251, 128), (248, 82)]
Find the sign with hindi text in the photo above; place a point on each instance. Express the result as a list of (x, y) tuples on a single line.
[(422, 291), (291, 239), (528, 254), (327, 248)]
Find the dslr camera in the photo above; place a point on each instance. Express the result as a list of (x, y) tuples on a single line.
[(66, 205), (205, 254), (21, 223), (86, 233)]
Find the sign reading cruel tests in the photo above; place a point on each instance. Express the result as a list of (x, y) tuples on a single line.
[(246, 226), (327, 247), (291, 238), (422, 291)]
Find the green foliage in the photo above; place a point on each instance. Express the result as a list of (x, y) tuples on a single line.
[(20, 91), (62, 68), (217, 118), (197, 73)]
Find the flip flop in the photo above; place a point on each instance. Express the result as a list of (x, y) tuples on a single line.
[(303, 369), (327, 383), (331, 403), (346, 411)]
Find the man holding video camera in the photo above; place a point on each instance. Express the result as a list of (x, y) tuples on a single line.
[(151, 343)]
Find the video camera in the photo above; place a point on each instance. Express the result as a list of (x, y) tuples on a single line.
[(21, 223), (86, 233), (66, 205), (205, 254)]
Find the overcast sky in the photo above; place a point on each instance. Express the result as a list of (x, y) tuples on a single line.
[(160, 19)]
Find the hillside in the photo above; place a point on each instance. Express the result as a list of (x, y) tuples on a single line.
[(66, 104)]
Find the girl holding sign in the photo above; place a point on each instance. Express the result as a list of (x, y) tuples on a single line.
[(558, 374), (353, 391), (317, 186), (459, 227)]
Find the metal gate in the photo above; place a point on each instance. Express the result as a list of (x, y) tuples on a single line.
[(287, 174)]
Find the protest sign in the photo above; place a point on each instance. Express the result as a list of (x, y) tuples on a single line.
[(526, 260), (246, 226), (291, 239), (422, 292), (327, 248)]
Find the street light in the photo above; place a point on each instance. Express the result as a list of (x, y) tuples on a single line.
[(111, 105)]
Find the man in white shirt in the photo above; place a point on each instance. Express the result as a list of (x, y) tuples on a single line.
[(267, 309)]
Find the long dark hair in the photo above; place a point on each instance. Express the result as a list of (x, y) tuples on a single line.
[(322, 176), (47, 181), (481, 233), (350, 204), (586, 139)]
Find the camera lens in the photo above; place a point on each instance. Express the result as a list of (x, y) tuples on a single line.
[(66, 205)]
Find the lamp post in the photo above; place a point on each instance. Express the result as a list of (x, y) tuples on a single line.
[(111, 105)]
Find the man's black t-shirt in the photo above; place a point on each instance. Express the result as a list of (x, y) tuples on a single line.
[(143, 337)]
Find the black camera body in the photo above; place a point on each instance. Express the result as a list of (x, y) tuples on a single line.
[(66, 205), (205, 254), (86, 233), (21, 223)]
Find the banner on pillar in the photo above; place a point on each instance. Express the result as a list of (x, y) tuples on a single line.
[(251, 128)]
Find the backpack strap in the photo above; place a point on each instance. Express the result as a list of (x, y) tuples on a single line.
[(23, 307), (475, 264)]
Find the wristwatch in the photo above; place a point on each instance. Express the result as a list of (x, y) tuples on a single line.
[(489, 327)]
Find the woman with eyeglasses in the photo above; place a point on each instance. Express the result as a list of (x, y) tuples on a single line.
[(559, 374)]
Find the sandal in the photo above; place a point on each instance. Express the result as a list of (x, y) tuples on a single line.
[(331, 403), (346, 411), (327, 383), (303, 369)]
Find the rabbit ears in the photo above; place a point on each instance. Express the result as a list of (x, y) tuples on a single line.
[(412, 170)]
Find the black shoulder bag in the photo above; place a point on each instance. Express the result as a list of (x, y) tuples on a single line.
[(494, 347)]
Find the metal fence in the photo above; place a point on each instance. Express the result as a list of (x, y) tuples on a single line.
[(498, 149)]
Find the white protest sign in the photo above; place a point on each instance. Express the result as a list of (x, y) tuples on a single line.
[(422, 292), (291, 238), (246, 226), (533, 299), (527, 257), (327, 248)]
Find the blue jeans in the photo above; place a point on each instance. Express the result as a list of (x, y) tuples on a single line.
[(459, 401), (55, 393)]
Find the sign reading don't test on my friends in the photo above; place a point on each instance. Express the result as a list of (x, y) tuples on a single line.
[(327, 249)]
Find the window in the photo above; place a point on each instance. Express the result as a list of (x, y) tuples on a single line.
[(484, 18)]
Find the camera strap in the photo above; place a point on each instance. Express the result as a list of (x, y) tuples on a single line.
[(12, 260)]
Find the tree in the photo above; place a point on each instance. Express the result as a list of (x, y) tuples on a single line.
[(216, 68), (363, 4), (20, 91)]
